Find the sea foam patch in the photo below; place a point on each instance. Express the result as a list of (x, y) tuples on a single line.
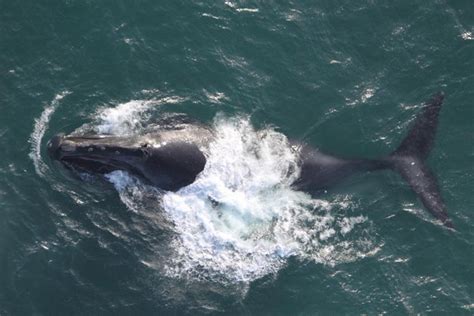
[(241, 219), (127, 118), (123, 119)]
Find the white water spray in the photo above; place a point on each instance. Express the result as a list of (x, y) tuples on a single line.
[(241, 219)]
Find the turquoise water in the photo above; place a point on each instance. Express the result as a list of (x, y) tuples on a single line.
[(343, 76)]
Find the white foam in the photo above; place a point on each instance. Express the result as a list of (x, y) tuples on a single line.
[(208, 15), (241, 219), (134, 194), (122, 119), (215, 97), (230, 4), (367, 94), (467, 36), (234, 6), (348, 223), (259, 221), (127, 118), (41, 124), (250, 10), (465, 33)]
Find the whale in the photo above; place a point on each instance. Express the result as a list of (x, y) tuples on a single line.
[(173, 157)]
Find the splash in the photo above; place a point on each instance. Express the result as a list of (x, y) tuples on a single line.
[(242, 220), (127, 118), (123, 119), (41, 124)]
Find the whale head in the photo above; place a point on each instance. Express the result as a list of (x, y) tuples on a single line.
[(168, 165)]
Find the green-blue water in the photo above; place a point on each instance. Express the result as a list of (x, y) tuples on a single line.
[(345, 76)]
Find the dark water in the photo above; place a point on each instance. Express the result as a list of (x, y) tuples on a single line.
[(345, 76)]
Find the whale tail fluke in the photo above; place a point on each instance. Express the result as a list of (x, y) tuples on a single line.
[(410, 156), (420, 138)]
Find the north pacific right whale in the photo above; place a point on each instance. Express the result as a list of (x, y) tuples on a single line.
[(172, 158)]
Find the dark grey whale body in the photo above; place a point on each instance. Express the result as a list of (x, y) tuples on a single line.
[(168, 159), (172, 159)]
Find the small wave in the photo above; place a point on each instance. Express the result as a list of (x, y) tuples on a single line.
[(234, 6), (41, 124), (216, 97)]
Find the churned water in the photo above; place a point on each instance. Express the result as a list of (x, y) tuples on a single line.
[(347, 77)]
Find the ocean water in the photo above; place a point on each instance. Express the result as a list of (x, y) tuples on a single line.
[(347, 77)]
